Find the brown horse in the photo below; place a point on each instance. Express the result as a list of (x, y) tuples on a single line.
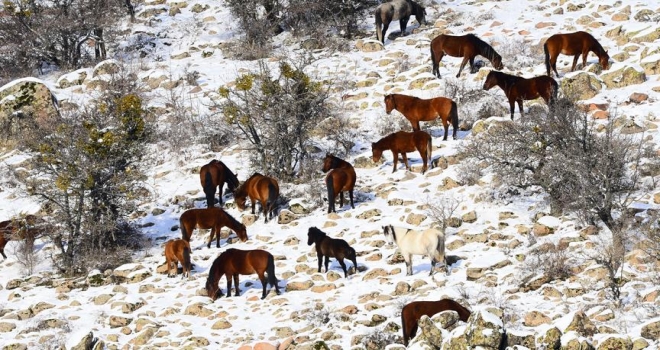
[(340, 178), (330, 248), (412, 312), (403, 142), (22, 227), (573, 44), (518, 89), (210, 218), (259, 188), (233, 262), (214, 175), (397, 9), (417, 109), (177, 251), (467, 46)]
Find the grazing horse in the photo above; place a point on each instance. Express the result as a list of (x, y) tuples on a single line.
[(18, 228), (518, 89), (467, 46), (233, 262), (430, 242), (340, 178), (412, 312), (259, 188), (573, 44), (330, 248), (397, 9), (416, 109), (210, 218), (403, 142), (177, 251), (214, 175)]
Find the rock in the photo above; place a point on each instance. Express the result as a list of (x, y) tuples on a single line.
[(369, 214), (402, 288), (638, 97), (41, 306), (221, 324), (651, 330), (429, 333), (6, 327), (582, 85), (71, 79), (109, 66), (581, 325), (623, 77), (285, 217), (526, 340), (615, 342), (143, 337), (30, 100), (299, 285), (485, 329), (198, 309), (415, 219), (577, 344), (551, 339), (248, 219), (469, 217), (369, 45), (651, 64), (15, 283), (119, 321), (85, 343), (536, 318)]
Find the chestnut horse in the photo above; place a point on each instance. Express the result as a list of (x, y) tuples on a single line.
[(518, 89), (259, 188), (330, 248), (177, 251), (233, 262), (416, 109), (397, 9), (340, 178), (412, 312), (573, 44), (210, 218), (214, 175), (22, 227), (467, 46), (403, 142)]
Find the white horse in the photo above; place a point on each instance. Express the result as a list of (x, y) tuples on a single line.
[(430, 242)]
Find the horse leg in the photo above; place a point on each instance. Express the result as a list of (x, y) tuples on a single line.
[(169, 267), (408, 259), (520, 107), (327, 262), (472, 65), (553, 63), (343, 266), (465, 61), (445, 123), (385, 26), (436, 64), (236, 283), (208, 245), (396, 160), (415, 125), (341, 198), (319, 257), (253, 204), (584, 58), (262, 278), (403, 23), (217, 238), (350, 195), (405, 160), (575, 58), (228, 276), (512, 106)]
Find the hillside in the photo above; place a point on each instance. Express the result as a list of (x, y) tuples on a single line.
[(494, 243)]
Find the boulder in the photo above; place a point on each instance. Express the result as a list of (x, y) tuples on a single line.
[(582, 85), (651, 330), (485, 330), (623, 77), (25, 104)]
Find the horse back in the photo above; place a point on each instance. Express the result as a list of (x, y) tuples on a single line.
[(254, 261), (343, 179)]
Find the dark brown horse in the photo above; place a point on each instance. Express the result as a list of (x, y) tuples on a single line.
[(412, 312), (210, 218), (518, 89), (259, 188), (467, 46), (21, 227), (330, 248), (573, 44), (417, 109), (403, 142), (214, 175), (397, 9), (233, 262), (177, 251), (340, 178)]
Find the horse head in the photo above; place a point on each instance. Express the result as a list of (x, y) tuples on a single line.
[(420, 14), (240, 201), (212, 289), (376, 153), (491, 80), (604, 60), (313, 234), (389, 104), (388, 231), (497, 61), (327, 162), (241, 232)]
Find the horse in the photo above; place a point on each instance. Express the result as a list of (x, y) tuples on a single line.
[(341, 177), (258, 187), (233, 262), (214, 175), (518, 89), (430, 242), (330, 248), (403, 142), (573, 44), (417, 109), (397, 9), (412, 312), (177, 251), (210, 218), (18, 228), (467, 46)]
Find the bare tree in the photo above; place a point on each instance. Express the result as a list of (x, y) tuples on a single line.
[(442, 209)]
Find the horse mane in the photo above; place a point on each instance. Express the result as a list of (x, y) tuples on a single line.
[(213, 271), (483, 47), (316, 230), (507, 79), (232, 180), (233, 221)]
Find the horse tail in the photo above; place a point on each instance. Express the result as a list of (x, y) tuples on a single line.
[(434, 65), (353, 257), (547, 58), (209, 189), (379, 24), (429, 153), (404, 328), (270, 271), (331, 190), (185, 235), (454, 117), (440, 247)]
